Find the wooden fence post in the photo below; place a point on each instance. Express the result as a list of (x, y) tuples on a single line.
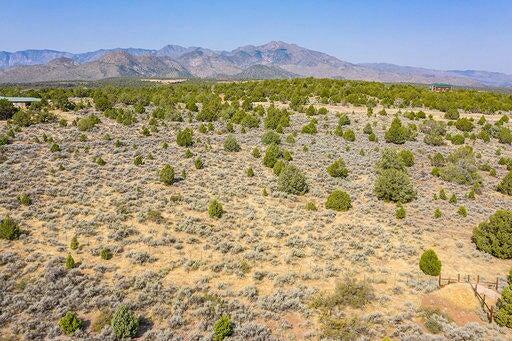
[(477, 278), (497, 283), (439, 280), (458, 278)]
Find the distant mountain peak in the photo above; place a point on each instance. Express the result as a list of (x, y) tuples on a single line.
[(117, 57), (274, 59)]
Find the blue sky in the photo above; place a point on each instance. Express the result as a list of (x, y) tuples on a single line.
[(448, 34)]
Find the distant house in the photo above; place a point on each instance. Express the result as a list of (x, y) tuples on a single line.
[(440, 87), (21, 102)]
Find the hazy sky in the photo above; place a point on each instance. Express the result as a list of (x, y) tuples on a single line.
[(445, 34)]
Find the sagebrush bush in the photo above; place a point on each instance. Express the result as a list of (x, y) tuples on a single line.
[(166, 174), (430, 263), (222, 328), (338, 169), (347, 293), (338, 200), (70, 323), (215, 209), (349, 135), (292, 180), (124, 323), (231, 144), (460, 167), (495, 235), (9, 229), (184, 138), (394, 185)]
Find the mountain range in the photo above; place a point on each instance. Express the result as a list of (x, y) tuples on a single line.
[(275, 59)]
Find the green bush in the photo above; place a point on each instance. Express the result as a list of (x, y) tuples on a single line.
[(70, 323), (55, 148), (503, 315), (394, 185), (452, 114), (278, 167), (338, 200), (338, 169), (166, 174), (272, 153), (397, 133), (462, 211), (400, 212), (87, 123), (276, 118), (124, 323), (310, 128), (372, 137), (256, 153), (390, 159), (437, 160), (270, 137), (292, 181), (106, 254), (407, 157), (24, 199), (505, 185), (22, 118), (505, 135), (310, 206), (198, 163), (461, 167), (249, 172), (74, 243), (70, 262), (349, 135), (464, 124), (457, 139), (495, 235), (430, 263), (138, 160), (7, 109), (184, 138), (231, 144), (347, 293), (437, 213), (223, 327), (9, 229), (215, 209)]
